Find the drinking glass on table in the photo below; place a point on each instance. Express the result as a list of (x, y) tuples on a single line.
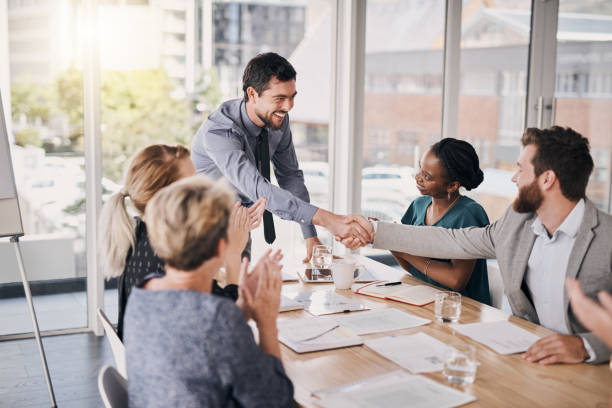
[(460, 363), (448, 306), (322, 256)]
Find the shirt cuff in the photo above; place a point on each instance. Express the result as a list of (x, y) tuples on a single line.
[(589, 350), (308, 231), (375, 226), (304, 217)]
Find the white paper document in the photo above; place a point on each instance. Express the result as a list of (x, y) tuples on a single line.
[(288, 304), (379, 320), (315, 333), (393, 390), (503, 336), (323, 302), (418, 353), (290, 270)]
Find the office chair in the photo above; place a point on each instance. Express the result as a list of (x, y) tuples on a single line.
[(113, 388), (115, 342)]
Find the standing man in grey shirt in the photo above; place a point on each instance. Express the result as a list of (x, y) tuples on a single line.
[(240, 138)]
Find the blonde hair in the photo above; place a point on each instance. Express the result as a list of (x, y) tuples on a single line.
[(187, 220), (149, 170)]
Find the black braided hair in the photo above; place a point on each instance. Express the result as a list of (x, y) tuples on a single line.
[(460, 161)]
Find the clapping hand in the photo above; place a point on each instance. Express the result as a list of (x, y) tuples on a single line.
[(256, 213), (263, 281), (243, 220), (595, 317)]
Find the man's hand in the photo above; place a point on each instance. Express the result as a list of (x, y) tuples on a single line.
[(557, 348), (594, 317), (310, 244), (352, 242), (345, 226)]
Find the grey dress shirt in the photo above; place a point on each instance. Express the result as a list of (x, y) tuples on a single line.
[(226, 146)]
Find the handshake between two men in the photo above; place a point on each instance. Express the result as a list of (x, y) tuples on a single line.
[(353, 231)]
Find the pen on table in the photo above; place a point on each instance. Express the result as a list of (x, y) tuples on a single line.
[(390, 284)]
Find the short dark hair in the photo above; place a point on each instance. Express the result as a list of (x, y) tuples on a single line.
[(566, 153), (262, 68), (460, 161)]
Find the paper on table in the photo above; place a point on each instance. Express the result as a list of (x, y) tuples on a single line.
[(418, 353), (288, 304), (393, 390), (325, 302), (322, 333), (306, 328), (290, 269), (379, 320), (502, 336)]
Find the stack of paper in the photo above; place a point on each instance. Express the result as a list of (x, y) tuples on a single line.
[(502, 336), (314, 334), (379, 320), (393, 390), (417, 295), (418, 353)]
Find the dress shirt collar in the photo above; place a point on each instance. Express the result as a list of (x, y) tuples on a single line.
[(252, 129), (569, 226)]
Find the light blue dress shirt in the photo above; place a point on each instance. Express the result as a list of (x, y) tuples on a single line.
[(547, 268)]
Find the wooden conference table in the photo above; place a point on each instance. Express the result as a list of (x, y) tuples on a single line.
[(501, 380)]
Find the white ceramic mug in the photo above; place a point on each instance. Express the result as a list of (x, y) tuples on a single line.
[(343, 273)]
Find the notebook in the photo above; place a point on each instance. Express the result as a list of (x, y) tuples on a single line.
[(314, 334), (417, 295)]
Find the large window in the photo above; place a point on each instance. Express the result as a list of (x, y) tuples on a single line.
[(159, 89), (402, 102), (301, 31), (46, 108), (583, 88), (493, 89)]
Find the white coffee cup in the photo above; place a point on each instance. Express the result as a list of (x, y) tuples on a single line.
[(343, 273)]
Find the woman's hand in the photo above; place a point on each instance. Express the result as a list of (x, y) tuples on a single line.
[(260, 289), (256, 213)]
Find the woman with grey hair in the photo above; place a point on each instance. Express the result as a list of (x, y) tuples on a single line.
[(185, 347)]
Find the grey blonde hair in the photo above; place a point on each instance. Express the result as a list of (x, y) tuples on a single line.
[(187, 220), (150, 170)]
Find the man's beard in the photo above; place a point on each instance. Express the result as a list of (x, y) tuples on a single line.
[(529, 198), (268, 122)]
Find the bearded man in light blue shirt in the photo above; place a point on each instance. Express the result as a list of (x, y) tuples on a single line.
[(550, 233)]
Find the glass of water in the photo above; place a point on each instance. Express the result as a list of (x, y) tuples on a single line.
[(460, 363), (322, 256), (448, 306)]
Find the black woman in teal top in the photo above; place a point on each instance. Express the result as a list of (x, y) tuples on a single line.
[(446, 166)]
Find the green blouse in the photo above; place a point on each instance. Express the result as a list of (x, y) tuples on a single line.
[(465, 213)]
